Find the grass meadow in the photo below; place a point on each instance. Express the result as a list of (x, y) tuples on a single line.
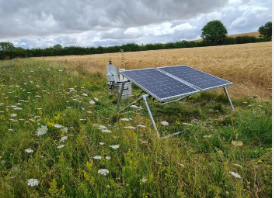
[(60, 136)]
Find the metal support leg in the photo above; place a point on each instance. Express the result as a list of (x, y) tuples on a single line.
[(229, 98), (144, 97), (150, 114), (120, 96), (132, 103)]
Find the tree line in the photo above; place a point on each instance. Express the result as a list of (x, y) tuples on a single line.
[(214, 33)]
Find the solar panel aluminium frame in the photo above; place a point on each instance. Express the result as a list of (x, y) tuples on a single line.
[(166, 98), (188, 83)]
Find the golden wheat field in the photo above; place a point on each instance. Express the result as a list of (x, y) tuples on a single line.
[(256, 34), (248, 66)]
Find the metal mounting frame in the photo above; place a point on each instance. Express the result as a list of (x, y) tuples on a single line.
[(144, 97)]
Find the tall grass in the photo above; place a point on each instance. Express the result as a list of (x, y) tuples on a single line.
[(195, 164)]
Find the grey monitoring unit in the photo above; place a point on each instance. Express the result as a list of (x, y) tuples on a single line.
[(171, 83)]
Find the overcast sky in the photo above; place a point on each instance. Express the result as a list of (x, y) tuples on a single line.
[(44, 23)]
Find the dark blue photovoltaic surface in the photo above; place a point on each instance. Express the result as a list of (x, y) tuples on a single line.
[(159, 85), (195, 77)]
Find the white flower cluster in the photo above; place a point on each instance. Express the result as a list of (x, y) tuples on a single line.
[(33, 182), (42, 130)]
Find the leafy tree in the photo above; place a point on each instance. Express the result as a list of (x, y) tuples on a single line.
[(266, 30), (214, 31), (6, 46), (58, 46)]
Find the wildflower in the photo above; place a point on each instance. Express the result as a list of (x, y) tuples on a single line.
[(13, 115), (42, 130), (136, 107), (17, 108), (144, 180), (58, 126), (101, 143), (140, 125), (103, 172), (106, 131), (237, 143), (164, 123), (97, 157), (235, 174), (107, 157), (10, 129), (33, 182), (130, 127), (180, 164), (64, 130), (126, 119), (115, 146), (63, 139), (91, 102), (260, 161), (89, 112), (101, 127), (96, 99), (28, 150), (245, 102), (195, 120), (238, 165), (207, 136), (61, 146), (84, 94)]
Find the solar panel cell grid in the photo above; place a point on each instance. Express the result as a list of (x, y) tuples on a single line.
[(159, 85), (195, 77)]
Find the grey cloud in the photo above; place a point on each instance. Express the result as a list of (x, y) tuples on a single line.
[(105, 23), (47, 17), (118, 34)]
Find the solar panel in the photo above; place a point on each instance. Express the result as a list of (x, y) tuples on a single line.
[(197, 78), (158, 84)]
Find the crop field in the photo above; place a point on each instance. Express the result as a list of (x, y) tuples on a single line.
[(256, 34), (248, 66)]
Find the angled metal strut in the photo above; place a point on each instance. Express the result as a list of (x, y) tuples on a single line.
[(144, 97)]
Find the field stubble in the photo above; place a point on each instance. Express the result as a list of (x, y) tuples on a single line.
[(248, 66)]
